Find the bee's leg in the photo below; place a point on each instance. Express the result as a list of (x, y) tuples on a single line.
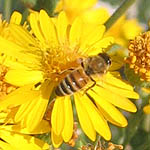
[(94, 83), (48, 112)]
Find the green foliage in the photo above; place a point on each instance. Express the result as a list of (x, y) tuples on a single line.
[(140, 140), (48, 5), (143, 11)]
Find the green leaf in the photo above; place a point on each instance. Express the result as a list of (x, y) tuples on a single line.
[(140, 140), (48, 5), (143, 11)]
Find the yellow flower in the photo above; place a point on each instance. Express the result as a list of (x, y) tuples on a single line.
[(54, 47), (6, 88), (85, 9), (146, 109), (124, 29)]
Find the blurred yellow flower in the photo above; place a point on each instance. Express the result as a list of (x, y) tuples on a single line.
[(76, 8), (54, 47), (124, 30), (146, 109), (85, 9)]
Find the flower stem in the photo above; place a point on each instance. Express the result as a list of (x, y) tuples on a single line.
[(119, 12), (7, 9)]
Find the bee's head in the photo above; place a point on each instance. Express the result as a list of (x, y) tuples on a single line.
[(106, 58), (97, 64)]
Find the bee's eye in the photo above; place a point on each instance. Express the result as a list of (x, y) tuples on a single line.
[(105, 57)]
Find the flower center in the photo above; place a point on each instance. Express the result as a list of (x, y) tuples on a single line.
[(139, 55), (58, 62)]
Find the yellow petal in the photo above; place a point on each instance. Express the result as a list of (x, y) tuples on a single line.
[(97, 119), (40, 107), (47, 27), (16, 18), (43, 127), (25, 110), (100, 45), (62, 27), (121, 91), (68, 126), (109, 78), (23, 141), (34, 22), (38, 104), (84, 118), (92, 37), (22, 36), (18, 97), (115, 99), (6, 146), (109, 109), (109, 118), (104, 43), (58, 116), (56, 139), (11, 49), (75, 32), (11, 62), (23, 77)]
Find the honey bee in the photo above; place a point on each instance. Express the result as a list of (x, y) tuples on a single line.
[(78, 78)]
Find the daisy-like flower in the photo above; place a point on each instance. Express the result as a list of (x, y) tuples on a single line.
[(53, 47), (6, 88), (139, 55), (86, 9)]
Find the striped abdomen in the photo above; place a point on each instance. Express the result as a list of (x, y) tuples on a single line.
[(73, 82)]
